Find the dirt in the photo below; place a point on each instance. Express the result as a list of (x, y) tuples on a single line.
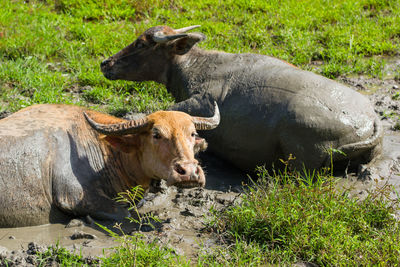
[(182, 211)]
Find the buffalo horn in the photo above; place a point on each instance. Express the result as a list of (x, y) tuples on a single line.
[(128, 127), (185, 29), (160, 37), (207, 123)]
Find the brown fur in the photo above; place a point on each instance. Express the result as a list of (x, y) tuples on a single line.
[(53, 162)]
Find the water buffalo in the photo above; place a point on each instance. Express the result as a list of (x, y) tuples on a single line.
[(269, 108), (62, 159)]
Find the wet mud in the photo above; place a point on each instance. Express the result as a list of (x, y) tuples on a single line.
[(182, 211), (384, 171)]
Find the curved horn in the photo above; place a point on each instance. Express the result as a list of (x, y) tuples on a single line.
[(160, 37), (128, 127), (207, 123), (185, 29)]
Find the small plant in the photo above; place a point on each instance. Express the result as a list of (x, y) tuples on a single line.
[(130, 243), (133, 250), (397, 75), (56, 255), (396, 96), (396, 126), (131, 198)]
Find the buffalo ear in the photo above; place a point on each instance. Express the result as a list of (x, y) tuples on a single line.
[(200, 145), (184, 44), (124, 143)]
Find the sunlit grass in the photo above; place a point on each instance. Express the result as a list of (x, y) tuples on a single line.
[(301, 217), (55, 47)]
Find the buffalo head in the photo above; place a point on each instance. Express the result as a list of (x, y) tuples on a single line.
[(149, 56), (163, 144)]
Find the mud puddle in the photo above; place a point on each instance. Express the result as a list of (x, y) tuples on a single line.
[(91, 244), (181, 212)]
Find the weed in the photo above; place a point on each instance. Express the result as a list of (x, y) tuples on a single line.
[(56, 255), (396, 96), (131, 198), (133, 250), (396, 126), (397, 75)]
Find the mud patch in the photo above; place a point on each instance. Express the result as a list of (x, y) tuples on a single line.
[(384, 171), (384, 94), (181, 212)]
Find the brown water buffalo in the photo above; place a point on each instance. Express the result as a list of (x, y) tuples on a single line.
[(269, 108), (61, 159)]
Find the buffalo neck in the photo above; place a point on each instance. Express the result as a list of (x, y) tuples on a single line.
[(197, 71), (109, 169)]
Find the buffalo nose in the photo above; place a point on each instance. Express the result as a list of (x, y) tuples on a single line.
[(180, 169), (190, 169)]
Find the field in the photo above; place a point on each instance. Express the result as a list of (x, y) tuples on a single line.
[(50, 52)]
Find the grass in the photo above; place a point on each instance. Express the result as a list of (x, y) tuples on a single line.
[(50, 55), (58, 255), (134, 251), (287, 218), (50, 51)]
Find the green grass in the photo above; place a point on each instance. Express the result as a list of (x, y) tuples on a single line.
[(291, 217), (51, 55), (57, 254), (134, 251), (50, 51)]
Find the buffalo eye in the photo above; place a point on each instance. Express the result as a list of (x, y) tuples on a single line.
[(139, 45), (194, 134), (156, 135)]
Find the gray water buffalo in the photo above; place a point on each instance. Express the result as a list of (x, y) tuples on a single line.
[(269, 108), (59, 160)]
